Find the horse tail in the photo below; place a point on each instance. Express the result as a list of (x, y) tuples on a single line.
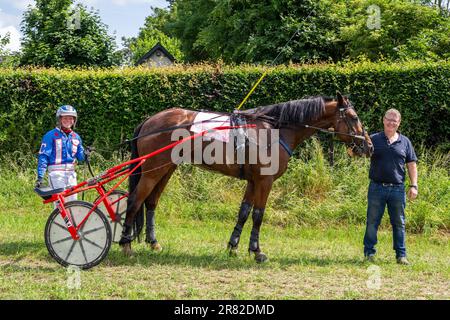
[(133, 181)]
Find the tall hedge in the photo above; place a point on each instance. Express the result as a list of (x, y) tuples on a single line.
[(112, 102)]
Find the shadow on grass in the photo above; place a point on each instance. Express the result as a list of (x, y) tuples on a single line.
[(319, 261), (143, 257), (19, 250), (12, 267), (221, 260)]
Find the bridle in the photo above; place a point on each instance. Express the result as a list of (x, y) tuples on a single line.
[(342, 116), (353, 145)]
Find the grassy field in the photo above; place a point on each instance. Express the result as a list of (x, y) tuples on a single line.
[(304, 263), (312, 235)]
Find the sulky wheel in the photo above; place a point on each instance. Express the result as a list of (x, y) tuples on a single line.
[(120, 209), (94, 243)]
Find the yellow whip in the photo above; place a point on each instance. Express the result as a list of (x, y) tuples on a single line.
[(265, 72), (251, 91)]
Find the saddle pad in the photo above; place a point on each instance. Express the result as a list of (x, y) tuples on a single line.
[(205, 121)]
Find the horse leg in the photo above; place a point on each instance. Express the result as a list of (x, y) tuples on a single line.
[(244, 211), (134, 203), (262, 190), (151, 202)]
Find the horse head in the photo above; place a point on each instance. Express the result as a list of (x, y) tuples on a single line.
[(348, 128)]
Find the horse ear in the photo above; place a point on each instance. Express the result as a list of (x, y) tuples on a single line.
[(340, 98)]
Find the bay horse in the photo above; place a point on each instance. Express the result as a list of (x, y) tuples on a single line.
[(296, 120)]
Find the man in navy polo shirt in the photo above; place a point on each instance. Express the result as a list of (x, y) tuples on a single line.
[(392, 152)]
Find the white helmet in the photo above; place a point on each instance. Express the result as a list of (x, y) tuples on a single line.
[(66, 110)]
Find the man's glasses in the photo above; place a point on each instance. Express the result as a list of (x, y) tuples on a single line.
[(391, 120)]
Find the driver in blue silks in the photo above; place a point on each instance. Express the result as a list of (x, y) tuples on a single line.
[(60, 148)]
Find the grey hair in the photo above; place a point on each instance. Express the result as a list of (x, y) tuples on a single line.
[(394, 111)]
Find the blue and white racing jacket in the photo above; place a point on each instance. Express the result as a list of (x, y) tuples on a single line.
[(59, 151)]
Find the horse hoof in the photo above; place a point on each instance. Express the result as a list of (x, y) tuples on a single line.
[(156, 247), (260, 257), (126, 249), (232, 251)]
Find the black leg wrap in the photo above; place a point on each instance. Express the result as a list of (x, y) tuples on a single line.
[(244, 211), (257, 217), (150, 236), (126, 235)]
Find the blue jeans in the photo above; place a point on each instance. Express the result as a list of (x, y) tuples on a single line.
[(378, 197)]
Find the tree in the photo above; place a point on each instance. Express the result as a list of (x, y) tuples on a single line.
[(186, 19), (7, 58), (256, 31), (403, 26), (3, 42), (429, 44), (125, 54), (443, 5), (57, 33), (3, 52)]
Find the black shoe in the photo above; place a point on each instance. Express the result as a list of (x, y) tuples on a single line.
[(402, 260)]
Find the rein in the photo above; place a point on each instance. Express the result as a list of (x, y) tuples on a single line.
[(269, 119), (342, 117), (128, 141), (170, 129), (334, 132)]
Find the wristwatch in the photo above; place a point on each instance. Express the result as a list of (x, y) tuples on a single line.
[(413, 186)]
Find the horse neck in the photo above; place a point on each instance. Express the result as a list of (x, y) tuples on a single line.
[(294, 136)]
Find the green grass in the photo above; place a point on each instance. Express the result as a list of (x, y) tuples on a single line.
[(312, 234), (304, 263)]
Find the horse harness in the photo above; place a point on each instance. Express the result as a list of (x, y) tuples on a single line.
[(236, 119)]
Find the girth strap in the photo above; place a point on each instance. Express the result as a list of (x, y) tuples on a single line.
[(282, 143), (286, 147), (241, 172)]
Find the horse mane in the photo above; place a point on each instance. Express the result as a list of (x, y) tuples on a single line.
[(291, 112)]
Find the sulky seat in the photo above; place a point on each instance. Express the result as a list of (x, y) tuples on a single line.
[(47, 192)]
